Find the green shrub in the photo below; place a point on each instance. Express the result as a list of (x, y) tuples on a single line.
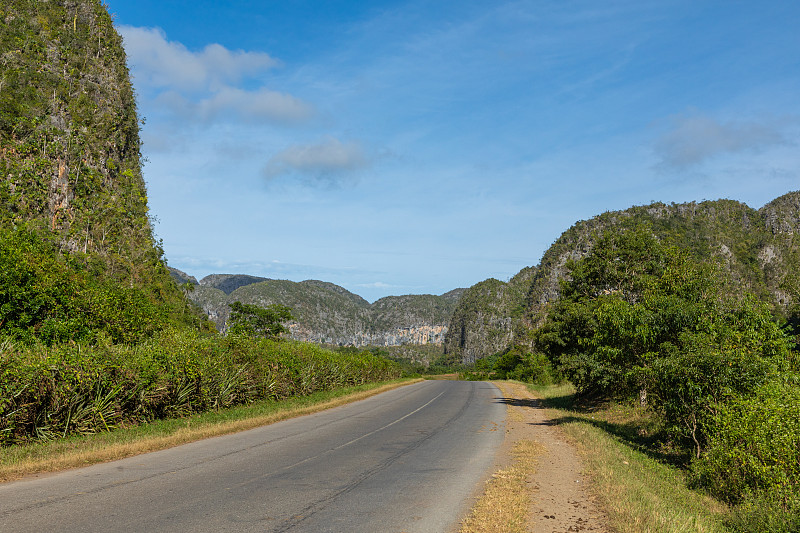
[(49, 392), (753, 458), (762, 512), (50, 297)]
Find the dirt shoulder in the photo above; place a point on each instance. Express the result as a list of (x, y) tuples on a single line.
[(556, 491)]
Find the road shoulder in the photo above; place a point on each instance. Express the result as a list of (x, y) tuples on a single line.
[(540, 482)]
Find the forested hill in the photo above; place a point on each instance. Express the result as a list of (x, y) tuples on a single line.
[(70, 134), (759, 250), (73, 205), (327, 313)]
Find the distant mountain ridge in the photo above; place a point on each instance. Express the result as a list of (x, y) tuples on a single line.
[(760, 249), (326, 313)]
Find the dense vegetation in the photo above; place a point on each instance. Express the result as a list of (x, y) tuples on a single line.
[(487, 318), (685, 310), (70, 174), (639, 320), (94, 332), (328, 314), (65, 389), (698, 335)]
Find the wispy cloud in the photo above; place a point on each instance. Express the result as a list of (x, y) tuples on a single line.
[(329, 162), (268, 268), (206, 85), (376, 285), (231, 104), (693, 138)]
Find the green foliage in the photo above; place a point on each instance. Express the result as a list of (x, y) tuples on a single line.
[(483, 321), (519, 364), (52, 392), (249, 319), (763, 512), (714, 363), (755, 447), (52, 297), (70, 171), (641, 319)]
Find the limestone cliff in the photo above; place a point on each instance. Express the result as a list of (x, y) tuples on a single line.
[(69, 157), (70, 175)]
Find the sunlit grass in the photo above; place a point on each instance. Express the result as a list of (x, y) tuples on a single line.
[(503, 507)]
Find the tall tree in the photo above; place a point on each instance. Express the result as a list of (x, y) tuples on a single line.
[(249, 319)]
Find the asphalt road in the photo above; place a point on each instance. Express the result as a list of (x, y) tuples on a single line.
[(407, 460)]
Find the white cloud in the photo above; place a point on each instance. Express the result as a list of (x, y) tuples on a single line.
[(202, 86), (239, 105), (694, 138), (169, 64), (328, 161), (376, 285)]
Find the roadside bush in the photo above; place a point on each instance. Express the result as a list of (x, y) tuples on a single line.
[(535, 368), (50, 392), (762, 512), (753, 459), (519, 364), (49, 297)]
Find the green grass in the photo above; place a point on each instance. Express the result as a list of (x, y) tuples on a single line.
[(633, 476)]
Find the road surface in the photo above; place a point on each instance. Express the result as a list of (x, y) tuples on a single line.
[(405, 460)]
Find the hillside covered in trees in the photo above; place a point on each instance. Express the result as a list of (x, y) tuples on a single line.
[(757, 250), (326, 313), (94, 332)]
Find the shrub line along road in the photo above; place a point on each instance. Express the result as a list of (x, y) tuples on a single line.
[(406, 460)]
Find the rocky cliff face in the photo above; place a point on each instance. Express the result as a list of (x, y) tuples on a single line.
[(486, 318), (329, 314), (760, 249), (69, 142), (69, 157)]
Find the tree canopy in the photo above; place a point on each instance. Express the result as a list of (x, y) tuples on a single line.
[(249, 319), (640, 318)]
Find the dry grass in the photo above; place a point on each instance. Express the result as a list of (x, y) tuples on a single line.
[(503, 508), (19, 461)]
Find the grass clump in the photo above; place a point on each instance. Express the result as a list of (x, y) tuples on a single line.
[(503, 508)]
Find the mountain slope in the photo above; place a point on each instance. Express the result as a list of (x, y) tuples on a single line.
[(759, 249), (70, 134), (71, 185)]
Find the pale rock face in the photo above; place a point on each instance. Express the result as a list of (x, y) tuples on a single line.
[(416, 335)]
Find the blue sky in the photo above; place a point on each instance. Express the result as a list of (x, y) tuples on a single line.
[(398, 147)]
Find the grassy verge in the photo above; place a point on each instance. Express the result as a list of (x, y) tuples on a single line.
[(18, 461), (632, 479)]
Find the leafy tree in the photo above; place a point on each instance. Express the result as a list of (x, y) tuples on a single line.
[(661, 328), (249, 319), (753, 459), (50, 297)]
